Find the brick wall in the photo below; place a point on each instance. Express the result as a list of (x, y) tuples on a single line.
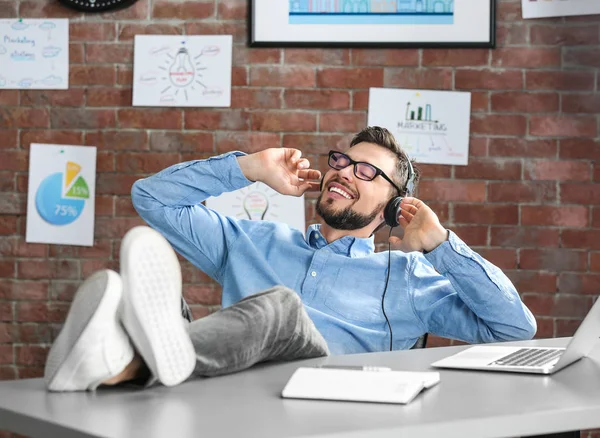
[(529, 200)]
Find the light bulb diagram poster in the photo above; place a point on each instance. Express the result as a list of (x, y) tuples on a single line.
[(182, 70), (559, 8), (34, 54), (258, 202), (432, 126), (60, 201)]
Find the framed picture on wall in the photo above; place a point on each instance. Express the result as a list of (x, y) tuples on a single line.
[(559, 8), (372, 23)]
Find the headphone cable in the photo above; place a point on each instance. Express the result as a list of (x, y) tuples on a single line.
[(385, 289)]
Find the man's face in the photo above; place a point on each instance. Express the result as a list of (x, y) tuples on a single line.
[(350, 203)]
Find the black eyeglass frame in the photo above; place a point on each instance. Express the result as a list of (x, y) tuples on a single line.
[(351, 162)]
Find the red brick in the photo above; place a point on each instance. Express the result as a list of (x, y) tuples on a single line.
[(316, 144), (114, 184), (82, 118), (6, 311), (111, 228), (527, 57), (7, 373), (556, 260), (13, 203), (73, 97), (34, 269), (14, 160), (50, 136), (237, 29), (595, 262), (279, 121), (486, 214), (582, 57), (434, 170), (108, 97), (6, 354), (33, 333), (182, 141), (201, 294), (61, 290), (7, 180), (577, 283), (88, 267), (558, 170), (436, 341), (37, 9), (127, 31), (480, 101), (239, 76), (255, 98), (31, 355), (545, 328), (581, 239), (32, 311), (104, 205), (579, 148), (76, 53), (92, 75), (562, 126), (520, 147), (150, 118), (319, 56), (559, 80), (124, 207), (497, 124), (17, 247), (229, 120), (9, 97), (484, 168), (283, 76), (102, 249), (383, 57), (342, 122), (520, 192), (580, 193), (449, 190), (232, 10), (511, 34), (563, 216), (105, 162), (472, 235), (317, 99), (566, 328), (138, 11), (146, 162), (118, 140), (524, 102), (580, 103), (509, 12), (488, 80), (8, 9), (30, 373), (454, 57), (7, 268), (246, 141), (9, 139), (124, 75), (188, 10), (552, 35), (430, 78), (520, 237), (500, 257), (350, 78), (596, 217), (23, 290), (21, 117), (8, 225), (531, 281), (244, 56), (109, 53), (91, 32), (7, 333)]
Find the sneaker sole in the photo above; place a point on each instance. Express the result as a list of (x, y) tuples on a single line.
[(152, 305), (97, 299)]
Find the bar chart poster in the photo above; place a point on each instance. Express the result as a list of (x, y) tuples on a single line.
[(431, 126), (61, 193)]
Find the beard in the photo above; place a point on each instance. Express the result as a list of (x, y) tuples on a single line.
[(346, 219)]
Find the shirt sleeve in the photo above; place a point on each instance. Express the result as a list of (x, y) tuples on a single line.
[(171, 202), (458, 294)]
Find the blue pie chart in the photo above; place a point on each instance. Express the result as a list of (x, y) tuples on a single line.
[(51, 205)]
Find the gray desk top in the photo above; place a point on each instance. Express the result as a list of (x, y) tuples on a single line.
[(481, 404)]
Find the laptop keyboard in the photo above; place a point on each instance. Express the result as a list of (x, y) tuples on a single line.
[(529, 357)]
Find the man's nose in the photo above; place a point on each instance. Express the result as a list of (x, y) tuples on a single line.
[(347, 173)]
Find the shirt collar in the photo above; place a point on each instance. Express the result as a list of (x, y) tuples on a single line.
[(348, 245)]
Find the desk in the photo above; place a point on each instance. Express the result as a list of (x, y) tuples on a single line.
[(464, 404)]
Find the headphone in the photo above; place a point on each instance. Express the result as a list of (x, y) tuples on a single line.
[(392, 209)]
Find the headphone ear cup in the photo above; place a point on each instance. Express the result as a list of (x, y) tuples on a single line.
[(391, 212)]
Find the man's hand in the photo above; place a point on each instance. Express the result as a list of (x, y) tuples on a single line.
[(282, 169), (422, 228)]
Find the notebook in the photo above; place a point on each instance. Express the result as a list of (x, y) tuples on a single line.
[(398, 387)]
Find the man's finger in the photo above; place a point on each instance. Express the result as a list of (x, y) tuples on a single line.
[(309, 174), (296, 155)]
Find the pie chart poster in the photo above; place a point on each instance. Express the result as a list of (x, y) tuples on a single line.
[(61, 193)]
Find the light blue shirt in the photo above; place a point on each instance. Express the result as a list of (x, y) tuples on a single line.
[(451, 291)]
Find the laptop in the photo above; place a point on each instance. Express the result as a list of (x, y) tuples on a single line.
[(536, 360)]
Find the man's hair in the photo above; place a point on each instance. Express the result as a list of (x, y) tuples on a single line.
[(384, 138)]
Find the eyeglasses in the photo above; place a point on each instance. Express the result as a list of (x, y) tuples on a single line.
[(362, 170)]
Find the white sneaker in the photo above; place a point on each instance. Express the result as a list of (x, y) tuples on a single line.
[(92, 346), (152, 305)]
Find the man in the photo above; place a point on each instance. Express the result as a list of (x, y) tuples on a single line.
[(287, 296)]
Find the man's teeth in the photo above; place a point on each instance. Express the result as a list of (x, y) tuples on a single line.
[(341, 192)]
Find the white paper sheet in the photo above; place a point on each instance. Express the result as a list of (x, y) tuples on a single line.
[(432, 126), (260, 202), (558, 8), (60, 202), (182, 70), (34, 54)]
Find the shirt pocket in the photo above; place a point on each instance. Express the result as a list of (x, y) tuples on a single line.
[(360, 303)]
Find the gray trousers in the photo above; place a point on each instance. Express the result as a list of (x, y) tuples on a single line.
[(271, 325)]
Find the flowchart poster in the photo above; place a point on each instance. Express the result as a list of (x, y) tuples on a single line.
[(431, 126), (186, 71), (258, 202), (60, 201), (34, 54)]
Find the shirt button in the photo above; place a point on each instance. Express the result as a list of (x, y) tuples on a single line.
[(313, 273)]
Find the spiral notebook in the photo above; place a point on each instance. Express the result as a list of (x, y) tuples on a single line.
[(399, 387)]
